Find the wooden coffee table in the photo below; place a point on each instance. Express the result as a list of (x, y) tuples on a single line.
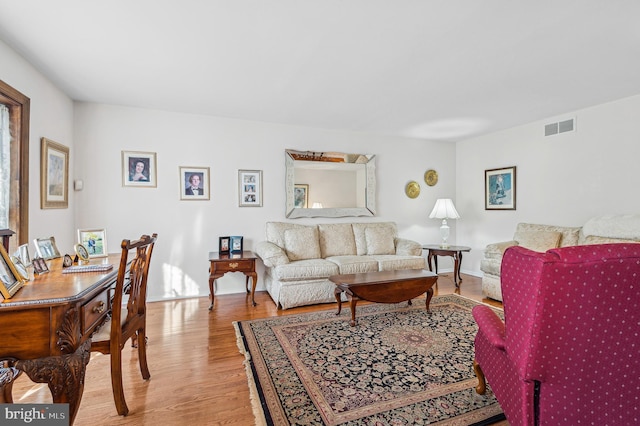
[(383, 287)]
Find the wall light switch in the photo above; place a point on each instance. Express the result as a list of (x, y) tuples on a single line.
[(78, 184)]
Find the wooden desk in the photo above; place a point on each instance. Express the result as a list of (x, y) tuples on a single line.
[(45, 328), (244, 262), (453, 251)]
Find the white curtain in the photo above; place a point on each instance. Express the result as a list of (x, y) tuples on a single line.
[(5, 166)]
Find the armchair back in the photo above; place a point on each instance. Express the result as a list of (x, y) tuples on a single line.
[(571, 336)]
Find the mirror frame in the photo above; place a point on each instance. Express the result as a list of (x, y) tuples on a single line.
[(293, 156)]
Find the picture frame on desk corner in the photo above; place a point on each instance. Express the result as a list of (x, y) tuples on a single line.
[(10, 279), (39, 266)]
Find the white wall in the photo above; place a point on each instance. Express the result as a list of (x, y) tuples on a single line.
[(51, 117), (562, 179), (188, 230)]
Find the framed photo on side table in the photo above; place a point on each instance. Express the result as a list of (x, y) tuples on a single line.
[(236, 244), (250, 188), (95, 241), (39, 266), (139, 169), (54, 175), (500, 189), (194, 183), (224, 245)]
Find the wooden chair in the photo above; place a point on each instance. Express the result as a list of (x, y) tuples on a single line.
[(129, 323)]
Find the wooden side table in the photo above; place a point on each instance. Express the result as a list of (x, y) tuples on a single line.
[(244, 262), (452, 251)]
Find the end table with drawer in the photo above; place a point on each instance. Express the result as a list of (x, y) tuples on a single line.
[(221, 263)]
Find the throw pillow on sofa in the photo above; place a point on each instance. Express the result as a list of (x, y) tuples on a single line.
[(379, 241), (336, 239), (302, 243), (540, 241)]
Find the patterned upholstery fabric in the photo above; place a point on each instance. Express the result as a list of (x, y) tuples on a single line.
[(567, 352), (597, 230), (299, 259)]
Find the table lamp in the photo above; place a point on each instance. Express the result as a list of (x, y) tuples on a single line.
[(444, 209)]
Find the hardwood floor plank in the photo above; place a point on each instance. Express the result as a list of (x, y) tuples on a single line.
[(197, 372)]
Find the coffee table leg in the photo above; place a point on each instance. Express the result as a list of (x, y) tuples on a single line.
[(338, 293), (352, 302), (429, 296)]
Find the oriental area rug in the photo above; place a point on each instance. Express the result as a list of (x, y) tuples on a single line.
[(398, 366)]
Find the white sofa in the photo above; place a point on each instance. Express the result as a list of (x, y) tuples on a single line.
[(299, 259), (598, 230)]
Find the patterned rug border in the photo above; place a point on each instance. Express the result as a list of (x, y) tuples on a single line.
[(259, 405)]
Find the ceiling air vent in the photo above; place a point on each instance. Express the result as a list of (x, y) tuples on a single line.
[(560, 127)]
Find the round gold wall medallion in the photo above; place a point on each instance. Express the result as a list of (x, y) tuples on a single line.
[(431, 177), (412, 189)]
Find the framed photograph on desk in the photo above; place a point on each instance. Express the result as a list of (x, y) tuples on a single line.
[(95, 241), (10, 279), (224, 245), (46, 248), (39, 266)]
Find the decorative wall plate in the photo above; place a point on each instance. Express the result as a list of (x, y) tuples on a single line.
[(431, 177), (412, 189)]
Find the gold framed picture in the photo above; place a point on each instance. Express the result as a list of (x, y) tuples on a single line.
[(82, 252), (54, 175), (10, 279)]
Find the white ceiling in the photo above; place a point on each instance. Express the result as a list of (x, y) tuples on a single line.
[(440, 70)]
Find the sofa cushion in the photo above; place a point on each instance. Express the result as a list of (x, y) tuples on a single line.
[(336, 240), (302, 243), (594, 239), (354, 264), (394, 263), (359, 233), (305, 269), (380, 241), (540, 241)]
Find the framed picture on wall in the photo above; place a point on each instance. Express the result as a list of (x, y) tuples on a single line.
[(194, 183), (500, 189), (95, 241), (139, 169), (300, 195), (250, 188), (54, 175)]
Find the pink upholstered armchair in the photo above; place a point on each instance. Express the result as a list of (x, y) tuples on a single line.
[(568, 352)]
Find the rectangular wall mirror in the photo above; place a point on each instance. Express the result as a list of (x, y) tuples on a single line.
[(329, 184)]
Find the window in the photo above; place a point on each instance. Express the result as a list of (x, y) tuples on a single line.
[(14, 160)]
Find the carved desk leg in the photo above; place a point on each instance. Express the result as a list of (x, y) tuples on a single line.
[(64, 374), (7, 376)]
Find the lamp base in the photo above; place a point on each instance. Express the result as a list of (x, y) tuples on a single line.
[(444, 232)]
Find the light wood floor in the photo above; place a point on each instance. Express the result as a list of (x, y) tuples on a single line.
[(197, 374)]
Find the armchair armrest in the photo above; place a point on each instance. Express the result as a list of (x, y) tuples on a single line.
[(496, 250), (490, 325), (271, 254), (406, 247)]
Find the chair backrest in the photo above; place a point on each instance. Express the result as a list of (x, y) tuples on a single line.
[(133, 283), (572, 323)]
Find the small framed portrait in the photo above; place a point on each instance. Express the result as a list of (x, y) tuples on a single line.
[(23, 254), (224, 245), (46, 248), (300, 195), (95, 242), (139, 169), (82, 252), (250, 188), (20, 268), (54, 175), (194, 183), (39, 266), (500, 189), (10, 279), (236, 244)]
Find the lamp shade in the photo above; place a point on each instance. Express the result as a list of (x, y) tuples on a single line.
[(444, 209)]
